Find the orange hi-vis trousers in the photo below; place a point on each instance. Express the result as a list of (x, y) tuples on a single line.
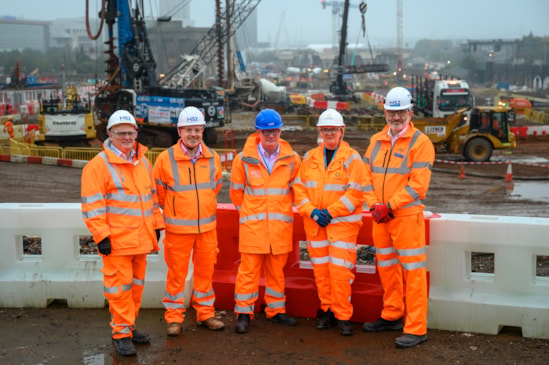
[(177, 252), (123, 283), (333, 262), (401, 262), (247, 283)]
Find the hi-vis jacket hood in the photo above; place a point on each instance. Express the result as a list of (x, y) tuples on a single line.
[(264, 200), (119, 201), (399, 174), (337, 187), (187, 192)]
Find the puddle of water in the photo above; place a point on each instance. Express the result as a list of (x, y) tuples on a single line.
[(538, 191)]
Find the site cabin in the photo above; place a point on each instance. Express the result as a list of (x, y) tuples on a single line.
[(472, 132)]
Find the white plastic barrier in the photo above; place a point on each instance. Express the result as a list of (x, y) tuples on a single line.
[(61, 272), (462, 300)]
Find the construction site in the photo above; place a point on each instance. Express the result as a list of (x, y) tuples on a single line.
[(487, 208)]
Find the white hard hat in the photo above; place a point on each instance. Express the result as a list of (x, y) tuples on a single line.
[(190, 116), (398, 98), (121, 117), (330, 117)]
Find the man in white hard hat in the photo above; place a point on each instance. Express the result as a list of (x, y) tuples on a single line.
[(329, 196), (398, 162), (120, 208), (188, 178)]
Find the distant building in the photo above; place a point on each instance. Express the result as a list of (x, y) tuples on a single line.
[(21, 34)]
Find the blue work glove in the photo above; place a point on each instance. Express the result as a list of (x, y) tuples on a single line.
[(157, 231), (325, 211), (381, 213), (104, 247), (320, 218)]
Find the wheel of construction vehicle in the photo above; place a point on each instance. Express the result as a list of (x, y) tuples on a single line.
[(210, 136), (478, 150)]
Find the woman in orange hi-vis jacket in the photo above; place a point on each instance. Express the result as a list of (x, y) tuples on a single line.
[(398, 162), (329, 196), (188, 178), (120, 208), (261, 189)]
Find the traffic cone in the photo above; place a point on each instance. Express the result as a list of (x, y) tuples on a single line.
[(509, 174), (462, 171)]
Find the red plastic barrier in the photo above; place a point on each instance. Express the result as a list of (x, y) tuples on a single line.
[(301, 294), (519, 131)]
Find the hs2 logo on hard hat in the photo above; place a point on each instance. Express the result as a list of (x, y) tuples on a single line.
[(394, 102), (192, 119)]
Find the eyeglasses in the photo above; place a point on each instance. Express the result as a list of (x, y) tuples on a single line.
[(270, 132), (401, 113), (190, 130), (123, 134), (329, 130)]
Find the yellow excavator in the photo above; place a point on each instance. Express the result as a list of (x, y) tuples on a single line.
[(474, 132)]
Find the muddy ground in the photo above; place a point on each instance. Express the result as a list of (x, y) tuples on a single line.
[(71, 336)]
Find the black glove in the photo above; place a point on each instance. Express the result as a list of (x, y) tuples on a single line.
[(157, 231), (104, 246)]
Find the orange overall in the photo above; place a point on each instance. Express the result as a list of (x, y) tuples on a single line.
[(399, 175), (266, 224), (187, 192), (337, 188), (119, 201)]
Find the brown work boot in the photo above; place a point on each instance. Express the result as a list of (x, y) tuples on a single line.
[(212, 323), (173, 329)]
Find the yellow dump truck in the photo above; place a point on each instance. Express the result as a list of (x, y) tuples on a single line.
[(475, 132)]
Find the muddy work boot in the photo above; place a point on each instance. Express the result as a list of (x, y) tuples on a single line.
[(283, 318), (124, 347), (242, 323), (173, 329), (383, 325), (408, 340), (326, 320), (212, 323), (345, 328), (140, 337)]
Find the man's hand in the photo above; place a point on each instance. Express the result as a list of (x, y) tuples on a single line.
[(104, 246), (381, 213), (320, 217), (157, 231)]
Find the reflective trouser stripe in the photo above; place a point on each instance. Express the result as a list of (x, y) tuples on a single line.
[(247, 283), (177, 253), (124, 298), (401, 258), (332, 264)]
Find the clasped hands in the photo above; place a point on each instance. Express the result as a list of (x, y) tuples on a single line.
[(381, 213), (321, 217)]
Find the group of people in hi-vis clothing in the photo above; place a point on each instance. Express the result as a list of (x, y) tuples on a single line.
[(126, 203)]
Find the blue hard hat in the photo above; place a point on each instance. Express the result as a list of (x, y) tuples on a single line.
[(268, 119)]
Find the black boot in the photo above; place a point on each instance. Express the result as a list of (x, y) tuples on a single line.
[(242, 323), (326, 320), (124, 346), (345, 328)]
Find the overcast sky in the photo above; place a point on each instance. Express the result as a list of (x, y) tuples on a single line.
[(304, 22)]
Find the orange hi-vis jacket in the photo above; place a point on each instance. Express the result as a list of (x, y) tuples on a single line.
[(187, 192), (264, 200), (337, 188), (119, 201), (399, 174)]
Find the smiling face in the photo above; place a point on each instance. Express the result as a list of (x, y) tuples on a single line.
[(191, 135), (123, 137), (398, 119), (331, 136)]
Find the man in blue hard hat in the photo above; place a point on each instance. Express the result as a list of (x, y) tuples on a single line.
[(262, 176)]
